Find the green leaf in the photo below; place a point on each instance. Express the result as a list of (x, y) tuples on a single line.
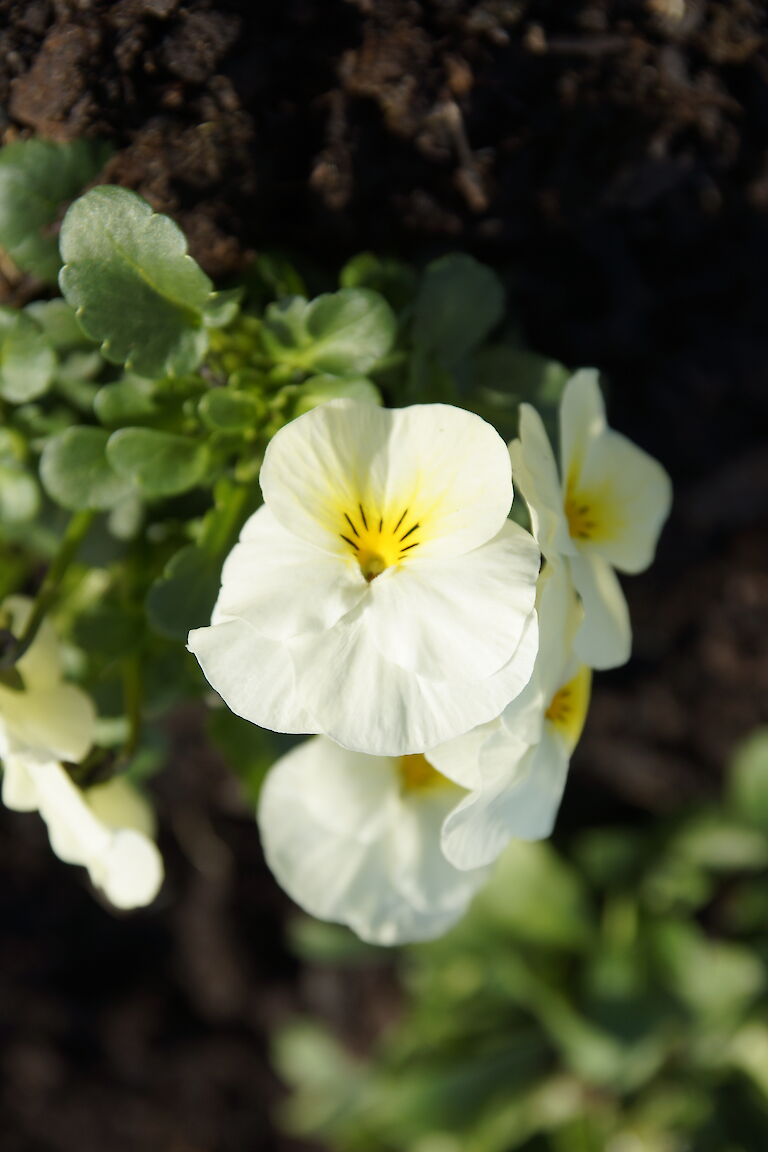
[(27, 361), (459, 302), (392, 279), (19, 496), (36, 178), (713, 977), (342, 333), (748, 785), (76, 473), (184, 595), (272, 277), (222, 307), (159, 463), (537, 897), (134, 286), (223, 410), (127, 401), (321, 389), (59, 322)]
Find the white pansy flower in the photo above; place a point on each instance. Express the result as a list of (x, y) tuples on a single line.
[(380, 597), (603, 510), (356, 839), (43, 721), (515, 768)]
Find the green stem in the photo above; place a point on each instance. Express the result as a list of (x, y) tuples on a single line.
[(74, 535), (133, 691), (226, 524)]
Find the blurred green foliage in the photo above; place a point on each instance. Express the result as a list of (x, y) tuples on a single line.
[(610, 996)]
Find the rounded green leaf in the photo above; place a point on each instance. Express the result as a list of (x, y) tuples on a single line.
[(36, 177), (125, 402), (159, 463), (223, 410), (321, 389), (136, 290), (27, 361), (395, 281), (76, 473), (184, 595), (343, 333), (19, 496), (459, 302), (748, 790)]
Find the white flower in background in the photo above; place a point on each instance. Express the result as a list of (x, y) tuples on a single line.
[(356, 839), (43, 721), (47, 720), (604, 510), (380, 597), (515, 768), (108, 829)]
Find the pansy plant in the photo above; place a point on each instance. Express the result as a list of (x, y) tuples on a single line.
[(314, 495)]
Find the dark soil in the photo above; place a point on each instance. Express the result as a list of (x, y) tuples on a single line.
[(611, 157)]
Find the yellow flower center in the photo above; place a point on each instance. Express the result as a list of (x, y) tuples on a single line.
[(417, 774), (591, 515), (568, 707), (581, 516), (379, 540)]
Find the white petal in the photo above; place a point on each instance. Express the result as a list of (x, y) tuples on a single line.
[(463, 614), (40, 666), (632, 496), (117, 803), (443, 464), (76, 836), (19, 786), (582, 419), (604, 639), (367, 703), (560, 615), (253, 674), (339, 839), (130, 871), (521, 806), (459, 759), (56, 721), (535, 473), (283, 586)]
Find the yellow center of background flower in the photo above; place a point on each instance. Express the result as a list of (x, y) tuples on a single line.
[(568, 707), (379, 540), (417, 774)]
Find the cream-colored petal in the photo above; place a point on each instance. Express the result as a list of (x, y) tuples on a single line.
[(521, 806), (130, 871), (19, 786), (535, 473), (57, 721), (459, 759), (40, 666), (353, 478), (347, 847), (118, 804), (253, 674), (464, 613), (604, 639), (282, 585), (76, 836), (629, 495), (582, 420), (366, 702)]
